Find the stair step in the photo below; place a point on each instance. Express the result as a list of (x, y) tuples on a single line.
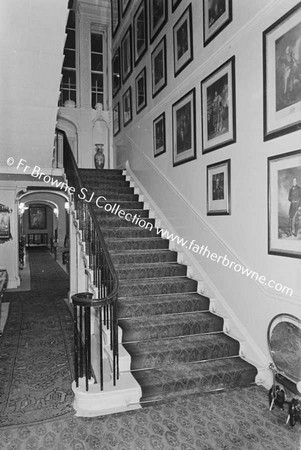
[(169, 352), (106, 184), (120, 205), (148, 306), (98, 175), (137, 244), (115, 197), (117, 222), (194, 378), (136, 213), (143, 257), (129, 232), (152, 270), (100, 172), (145, 286), (135, 329)]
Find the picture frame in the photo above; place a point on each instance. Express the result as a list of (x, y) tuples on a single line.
[(5, 234), (159, 135), (284, 195), (217, 14), (116, 75), (175, 4), (116, 119), (218, 107), (281, 83), (37, 218), (158, 16), (140, 31), (219, 188), (184, 129), (140, 90), (115, 16), (126, 54), (127, 106), (124, 6), (183, 41), (159, 70)]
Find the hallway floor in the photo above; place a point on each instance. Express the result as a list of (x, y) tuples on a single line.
[(232, 420)]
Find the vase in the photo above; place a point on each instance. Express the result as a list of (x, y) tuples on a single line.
[(99, 157)]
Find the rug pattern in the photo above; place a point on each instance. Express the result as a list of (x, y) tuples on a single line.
[(36, 348)]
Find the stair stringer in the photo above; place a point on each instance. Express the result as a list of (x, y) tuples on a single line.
[(249, 350)]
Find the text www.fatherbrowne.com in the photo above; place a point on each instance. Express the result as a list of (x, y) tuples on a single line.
[(115, 209)]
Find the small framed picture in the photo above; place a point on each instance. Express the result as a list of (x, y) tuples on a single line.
[(140, 32), (124, 6), (140, 90), (183, 129), (4, 223), (182, 41), (116, 82), (282, 80), (175, 4), (37, 218), (217, 14), (115, 16), (126, 54), (218, 107), (218, 188), (158, 61), (127, 106), (116, 119), (158, 15), (159, 139), (284, 204)]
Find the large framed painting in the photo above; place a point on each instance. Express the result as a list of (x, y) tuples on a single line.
[(159, 137), (126, 54), (127, 106), (183, 41), (124, 6), (219, 188), (115, 16), (284, 204), (183, 129), (282, 75), (140, 32), (217, 14), (37, 218), (159, 72), (158, 15), (218, 107), (116, 72), (140, 85), (116, 119)]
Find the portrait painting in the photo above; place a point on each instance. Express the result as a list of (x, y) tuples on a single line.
[(116, 119), (282, 75), (127, 106), (284, 174), (158, 63), (37, 218), (116, 84), (182, 41), (140, 83), (115, 16), (4, 225), (217, 14), (140, 32), (218, 188), (159, 141), (158, 14), (126, 54)]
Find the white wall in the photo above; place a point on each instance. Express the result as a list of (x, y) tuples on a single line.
[(242, 235)]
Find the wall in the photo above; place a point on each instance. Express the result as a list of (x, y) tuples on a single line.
[(243, 234)]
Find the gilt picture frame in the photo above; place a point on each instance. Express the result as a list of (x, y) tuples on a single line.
[(126, 54), (140, 90), (159, 135), (183, 41), (158, 16), (127, 106), (219, 188), (159, 69), (37, 218), (140, 31), (217, 14)]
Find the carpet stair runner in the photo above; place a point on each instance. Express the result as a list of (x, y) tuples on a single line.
[(177, 345)]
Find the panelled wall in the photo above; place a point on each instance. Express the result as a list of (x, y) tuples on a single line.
[(209, 93)]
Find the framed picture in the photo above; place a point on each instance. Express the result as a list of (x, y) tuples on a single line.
[(116, 82), (126, 54), (37, 218), (116, 119), (218, 107), (124, 6), (159, 74), (140, 32), (281, 70), (284, 204), (159, 140), (158, 15), (140, 90), (127, 106), (175, 4), (217, 14), (4, 223), (182, 41), (183, 129), (115, 16), (218, 188)]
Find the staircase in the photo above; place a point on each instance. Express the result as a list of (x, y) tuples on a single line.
[(177, 345)]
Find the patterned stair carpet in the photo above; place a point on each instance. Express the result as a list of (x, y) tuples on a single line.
[(36, 347), (176, 344)]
